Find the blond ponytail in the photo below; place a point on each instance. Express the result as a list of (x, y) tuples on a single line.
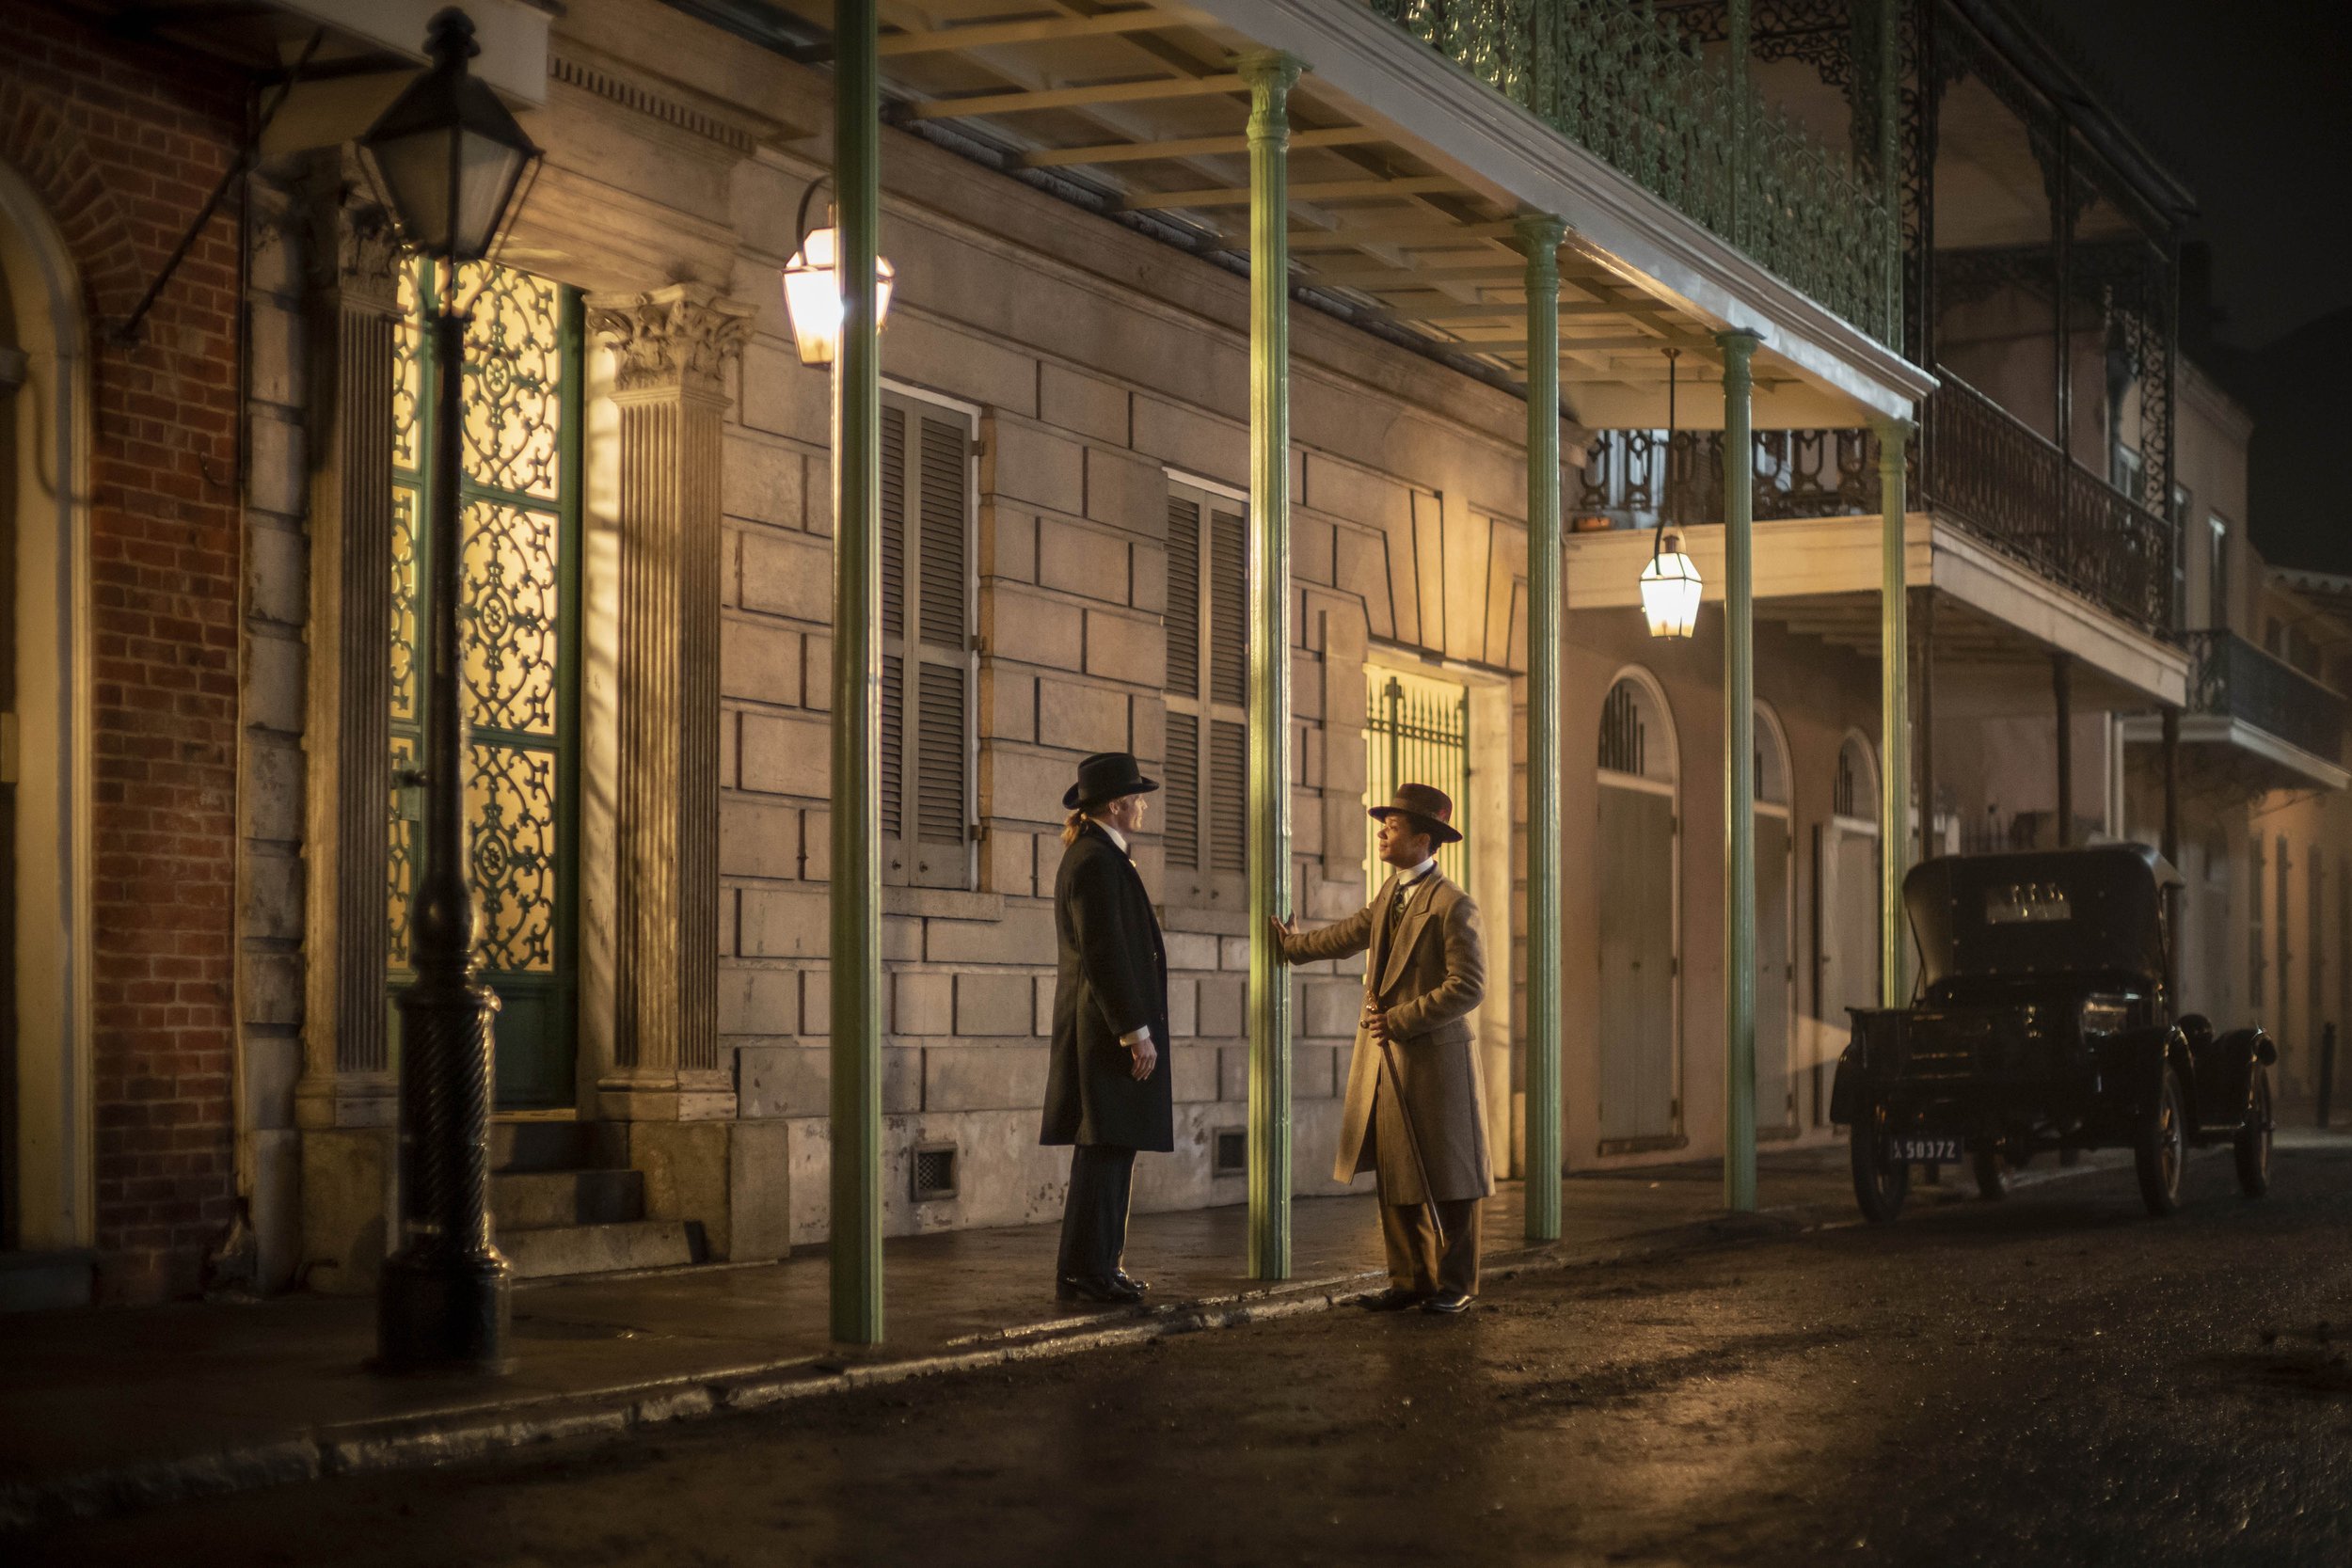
[(1070, 828)]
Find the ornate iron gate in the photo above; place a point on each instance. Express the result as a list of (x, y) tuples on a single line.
[(1417, 730), (520, 499)]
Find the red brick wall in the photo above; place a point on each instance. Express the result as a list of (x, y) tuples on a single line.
[(123, 141)]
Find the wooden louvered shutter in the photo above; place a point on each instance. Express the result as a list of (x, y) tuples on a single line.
[(1229, 796), (894, 703), (1208, 693), (1228, 610), (944, 656), (1182, 834), (1184, 598), (927, 646)]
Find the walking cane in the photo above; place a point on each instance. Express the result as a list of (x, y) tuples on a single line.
[(1404, 1119)]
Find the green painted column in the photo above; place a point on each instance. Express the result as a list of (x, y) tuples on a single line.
[(1541, 235), (1270, 77), (856, 887), (1894, 715), (1738, 777)]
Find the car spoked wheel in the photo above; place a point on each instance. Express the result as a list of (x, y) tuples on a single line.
[(2161, 1148), (2253, 1140), (1880, 1183), (1992, 1180)]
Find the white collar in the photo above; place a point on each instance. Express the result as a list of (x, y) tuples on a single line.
[(1116, 836), (1413, 878)]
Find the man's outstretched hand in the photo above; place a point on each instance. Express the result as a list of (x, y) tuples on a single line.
[(1283, 933)]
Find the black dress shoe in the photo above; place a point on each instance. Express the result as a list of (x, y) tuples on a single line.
[(1395, 1299), (1137, 1286), (1447, 1302), (1110, 1292)]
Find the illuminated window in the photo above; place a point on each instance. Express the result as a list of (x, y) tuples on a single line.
[(519, 495)]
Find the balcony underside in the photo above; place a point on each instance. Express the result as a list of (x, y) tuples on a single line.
[(1405, 174), (1819, 577), (2222, 755)]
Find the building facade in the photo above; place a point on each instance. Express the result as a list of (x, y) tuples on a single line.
[(1066, 541)]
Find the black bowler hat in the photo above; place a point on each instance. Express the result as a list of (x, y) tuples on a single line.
[(1104, 777), (1431, 809)]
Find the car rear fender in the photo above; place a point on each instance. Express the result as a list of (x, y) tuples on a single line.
[(2225, 1077), (1855, 1086), (2131, 1065)]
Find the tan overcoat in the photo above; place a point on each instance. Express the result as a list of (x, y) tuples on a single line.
[(1428, 976)]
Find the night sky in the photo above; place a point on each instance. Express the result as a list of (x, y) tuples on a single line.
[(2249, 103)]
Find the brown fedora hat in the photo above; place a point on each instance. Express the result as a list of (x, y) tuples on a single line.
[(1430, 807)]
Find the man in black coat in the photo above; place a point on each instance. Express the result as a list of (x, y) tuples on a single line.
[(1108, 1087)]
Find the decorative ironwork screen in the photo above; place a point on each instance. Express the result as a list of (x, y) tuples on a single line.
[(1631, 87), (1416, 731), (519, 522)]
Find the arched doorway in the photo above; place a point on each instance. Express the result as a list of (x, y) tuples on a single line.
[(1775, 938), (46, 1196), (1638, 858), (1847, 876)]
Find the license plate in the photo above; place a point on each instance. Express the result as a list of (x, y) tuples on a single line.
[(1913, 1148)]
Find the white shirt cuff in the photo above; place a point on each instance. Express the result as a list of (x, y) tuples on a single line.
[(1134, 1037)]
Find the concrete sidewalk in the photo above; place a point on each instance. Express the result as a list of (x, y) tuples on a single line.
[(106, 1410)]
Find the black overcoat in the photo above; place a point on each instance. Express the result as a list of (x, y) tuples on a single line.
[(1113, 979)]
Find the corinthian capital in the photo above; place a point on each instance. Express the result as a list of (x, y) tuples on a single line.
[(678, 339)]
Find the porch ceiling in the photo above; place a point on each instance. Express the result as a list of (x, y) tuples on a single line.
[(1143, 106)]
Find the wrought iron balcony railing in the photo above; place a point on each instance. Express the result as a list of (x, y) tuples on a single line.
[(1973, 462), (1629, 87), (2230, 679)]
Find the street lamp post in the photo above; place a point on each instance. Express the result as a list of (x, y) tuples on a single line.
[(450, 161)]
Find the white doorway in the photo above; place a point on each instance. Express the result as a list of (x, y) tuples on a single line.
[(1846, 877), (1775, 937), (1638, 875)]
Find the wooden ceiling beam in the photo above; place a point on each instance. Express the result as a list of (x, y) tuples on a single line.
[(1190, 147), (988, 35), (1312, 190), (1077, 97)]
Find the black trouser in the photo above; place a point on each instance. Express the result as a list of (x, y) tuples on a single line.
[(1094, 1217)]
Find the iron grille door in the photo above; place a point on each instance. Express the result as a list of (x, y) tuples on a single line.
[(519, 522), (1416, 731)]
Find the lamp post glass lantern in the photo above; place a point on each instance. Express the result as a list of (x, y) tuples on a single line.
[(1670, 583), (449, 161), (812, 286)]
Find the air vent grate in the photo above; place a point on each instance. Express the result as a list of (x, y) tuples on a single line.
[(935, 1172), (1230, 1153)]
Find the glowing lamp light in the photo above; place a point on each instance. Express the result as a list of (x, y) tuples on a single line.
[(1670, 588), (812, 294)]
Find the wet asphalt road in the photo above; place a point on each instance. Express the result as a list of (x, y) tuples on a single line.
[(2054, 1379)]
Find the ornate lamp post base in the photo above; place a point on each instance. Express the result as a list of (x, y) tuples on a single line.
[(442, 1301)]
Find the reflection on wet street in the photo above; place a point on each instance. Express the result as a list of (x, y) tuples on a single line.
[(2053, 1379)]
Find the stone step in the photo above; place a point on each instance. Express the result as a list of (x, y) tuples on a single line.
[(42, 1281), (555, 1146), (547, 1252), (526, 1199)]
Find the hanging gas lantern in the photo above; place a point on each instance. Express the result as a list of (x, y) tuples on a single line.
[(812, 288), (1670, 583)]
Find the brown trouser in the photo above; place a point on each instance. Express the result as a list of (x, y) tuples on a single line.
[(1416, 1262)]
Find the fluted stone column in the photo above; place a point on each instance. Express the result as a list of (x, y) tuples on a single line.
[(352, 282), (346, 1101), (672, 346)]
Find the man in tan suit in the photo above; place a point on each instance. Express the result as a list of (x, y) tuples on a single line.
[(1414, 1111)]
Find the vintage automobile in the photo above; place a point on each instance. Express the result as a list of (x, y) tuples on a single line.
[(2041, 1022)]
